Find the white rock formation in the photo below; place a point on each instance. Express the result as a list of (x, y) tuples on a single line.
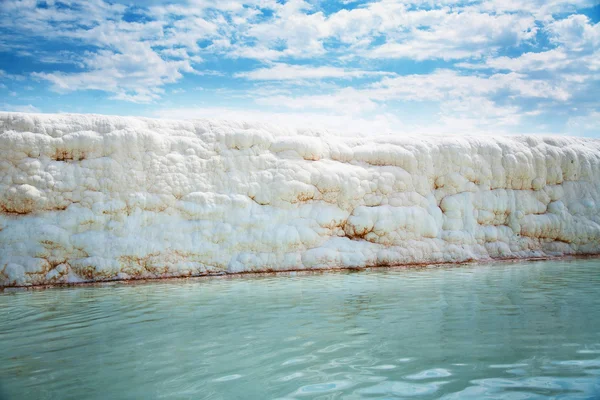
[(89, 198)]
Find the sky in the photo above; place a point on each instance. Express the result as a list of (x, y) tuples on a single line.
[(378, 67)]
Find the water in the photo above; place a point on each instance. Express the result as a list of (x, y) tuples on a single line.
[(503, 331)]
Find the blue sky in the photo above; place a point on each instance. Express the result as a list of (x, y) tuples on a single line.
[(449, 67)]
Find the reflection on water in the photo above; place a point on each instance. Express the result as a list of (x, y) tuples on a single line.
[(510, 331)]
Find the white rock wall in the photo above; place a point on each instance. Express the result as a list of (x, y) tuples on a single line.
[(88, 198)]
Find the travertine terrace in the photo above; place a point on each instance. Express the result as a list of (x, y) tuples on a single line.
[(91, 198)]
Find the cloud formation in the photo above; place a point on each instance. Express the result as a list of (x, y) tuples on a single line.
[(475, 65)]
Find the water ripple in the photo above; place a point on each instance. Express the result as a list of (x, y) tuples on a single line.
[(515, 331)]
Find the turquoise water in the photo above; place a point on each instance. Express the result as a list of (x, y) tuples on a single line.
[(502, 331)]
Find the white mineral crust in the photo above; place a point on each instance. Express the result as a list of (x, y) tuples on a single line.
[(90, 198)]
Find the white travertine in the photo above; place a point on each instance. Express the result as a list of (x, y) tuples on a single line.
[(90, 198)]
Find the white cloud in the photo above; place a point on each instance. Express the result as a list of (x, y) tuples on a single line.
[(346, 101), (5, 76), (540, 9), (441, 85), (19, 108), (282, 72), (335, 122), (419, 34), (135, 75), (584, 124), (567, 73), (493, 72), (531, 61), (127, 61), (454, 35), (466, 103), (575, 32)]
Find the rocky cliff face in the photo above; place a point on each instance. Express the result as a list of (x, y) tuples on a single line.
[(90, 198)]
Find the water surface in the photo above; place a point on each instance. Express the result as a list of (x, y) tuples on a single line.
[(498, 331)]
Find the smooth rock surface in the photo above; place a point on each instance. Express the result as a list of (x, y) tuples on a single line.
[(90, 198)]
